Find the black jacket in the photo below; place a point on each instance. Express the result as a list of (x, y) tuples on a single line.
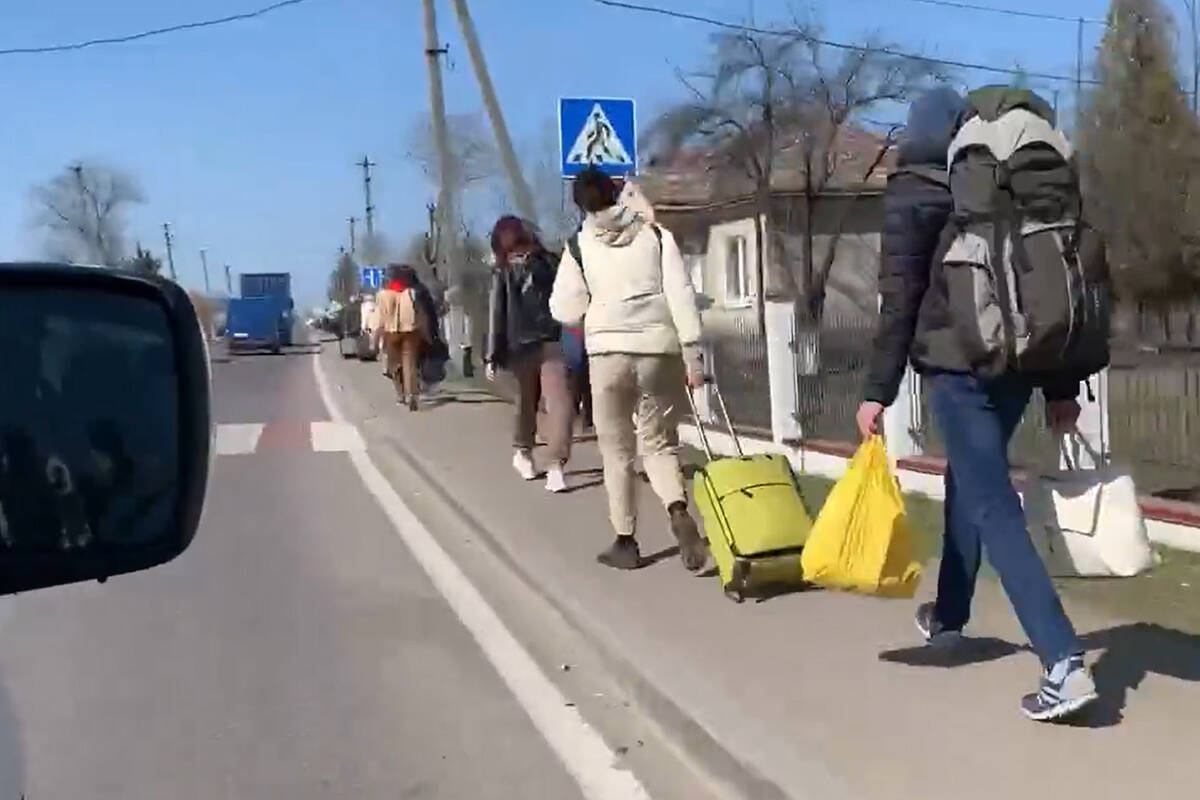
[(914, 317), (519, 309)]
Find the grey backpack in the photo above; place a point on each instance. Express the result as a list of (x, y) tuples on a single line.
[(1027, 280)]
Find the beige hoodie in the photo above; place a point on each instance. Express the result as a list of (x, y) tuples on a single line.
[(633, 295)]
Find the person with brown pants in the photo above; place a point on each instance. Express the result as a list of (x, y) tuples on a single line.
[(525, 339), (405, 332), (623, 278)]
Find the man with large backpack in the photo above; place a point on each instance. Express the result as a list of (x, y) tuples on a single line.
[(993, 286)]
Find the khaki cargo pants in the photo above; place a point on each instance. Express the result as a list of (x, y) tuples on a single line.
[(632, 396)]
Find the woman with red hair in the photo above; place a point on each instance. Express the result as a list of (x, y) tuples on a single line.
[(525, 339)]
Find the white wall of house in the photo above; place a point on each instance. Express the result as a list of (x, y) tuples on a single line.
[(729, 273)]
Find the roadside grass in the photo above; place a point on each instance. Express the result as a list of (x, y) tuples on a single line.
[(1168, 596)]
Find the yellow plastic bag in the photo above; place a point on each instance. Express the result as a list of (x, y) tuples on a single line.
[(861, 541)]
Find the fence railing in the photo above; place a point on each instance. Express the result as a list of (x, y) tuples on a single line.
[(1154, 406), (739, 364)]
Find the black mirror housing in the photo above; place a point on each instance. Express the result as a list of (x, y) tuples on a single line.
[(105, 423)]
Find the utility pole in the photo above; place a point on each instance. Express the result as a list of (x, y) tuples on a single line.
[(170, 254), (522, 197), (204, 265), (228, 281), (1191, 8), (353, 244), (366, 165), (447, 252)]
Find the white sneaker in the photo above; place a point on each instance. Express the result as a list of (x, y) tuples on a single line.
[(556, 480), (523, 464)]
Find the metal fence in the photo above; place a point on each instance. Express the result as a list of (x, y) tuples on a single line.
[(1154, 404), (739, 364), (1154, 422), (829, 398)]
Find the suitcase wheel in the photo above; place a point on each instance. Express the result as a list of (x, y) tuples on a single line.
[(735, 590)]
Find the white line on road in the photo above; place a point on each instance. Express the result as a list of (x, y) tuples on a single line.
[(336, 437), (580, 748), (238, 440)]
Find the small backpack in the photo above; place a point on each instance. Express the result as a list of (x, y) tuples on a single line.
[(1027, 279)]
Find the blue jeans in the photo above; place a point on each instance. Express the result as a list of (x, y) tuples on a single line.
[(976, 419)]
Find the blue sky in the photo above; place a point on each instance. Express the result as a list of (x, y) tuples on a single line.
[(244, 136)]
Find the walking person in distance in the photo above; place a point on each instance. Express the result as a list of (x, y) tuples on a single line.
[(525, 339), (405, 328), (623, 279)]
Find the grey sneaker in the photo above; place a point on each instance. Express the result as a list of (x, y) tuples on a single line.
[(932, 630), (1066, 688)]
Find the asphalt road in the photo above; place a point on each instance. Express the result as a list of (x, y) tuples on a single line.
[(295, 651)]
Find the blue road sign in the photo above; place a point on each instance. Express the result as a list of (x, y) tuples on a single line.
[(597, 131), (372, 277)]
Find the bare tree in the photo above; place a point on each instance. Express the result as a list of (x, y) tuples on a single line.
[(1140, 157), (845, 89), (144, 262), (82, 213), (776, 91), (557, 217), (343, 280), (472, 152)]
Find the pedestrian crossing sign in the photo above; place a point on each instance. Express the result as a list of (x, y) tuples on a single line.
[(372, 278), (599, 132)]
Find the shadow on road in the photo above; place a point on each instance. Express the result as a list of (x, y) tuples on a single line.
[(12, 756), (967, 651), (1129, 654)]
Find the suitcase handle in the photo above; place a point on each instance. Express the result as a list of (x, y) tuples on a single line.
[(709, 380)]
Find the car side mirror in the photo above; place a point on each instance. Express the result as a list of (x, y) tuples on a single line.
[(105, 424)]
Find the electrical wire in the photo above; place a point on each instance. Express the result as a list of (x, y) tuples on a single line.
[(133, 37), (733, 26), (1011, 12)]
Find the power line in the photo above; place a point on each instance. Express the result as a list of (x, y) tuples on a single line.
[(733, 26), (133, 37), (1011, 12)]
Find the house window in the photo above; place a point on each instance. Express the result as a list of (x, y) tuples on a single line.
[(737, 272)]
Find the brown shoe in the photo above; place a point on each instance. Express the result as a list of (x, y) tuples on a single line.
[(692, 551)]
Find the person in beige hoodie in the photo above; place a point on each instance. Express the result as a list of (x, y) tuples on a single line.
[(624, 279), (405, 331)]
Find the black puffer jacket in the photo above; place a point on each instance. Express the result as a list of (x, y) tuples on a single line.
[(519, 309), (914, 319)]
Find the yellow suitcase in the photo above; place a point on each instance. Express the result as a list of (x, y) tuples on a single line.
[(754, 516)]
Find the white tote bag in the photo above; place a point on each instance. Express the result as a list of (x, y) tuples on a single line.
[(1087, 522)]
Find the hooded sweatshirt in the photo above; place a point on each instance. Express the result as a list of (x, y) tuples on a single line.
[(632, 292), (912, 313)]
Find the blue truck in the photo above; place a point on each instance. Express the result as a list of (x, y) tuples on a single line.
[(263, 317)]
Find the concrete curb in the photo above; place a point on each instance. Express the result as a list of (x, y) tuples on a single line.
[(693, 744)]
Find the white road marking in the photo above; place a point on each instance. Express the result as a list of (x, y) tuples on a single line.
[(238, 440), (578, 746), (336, 437)]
